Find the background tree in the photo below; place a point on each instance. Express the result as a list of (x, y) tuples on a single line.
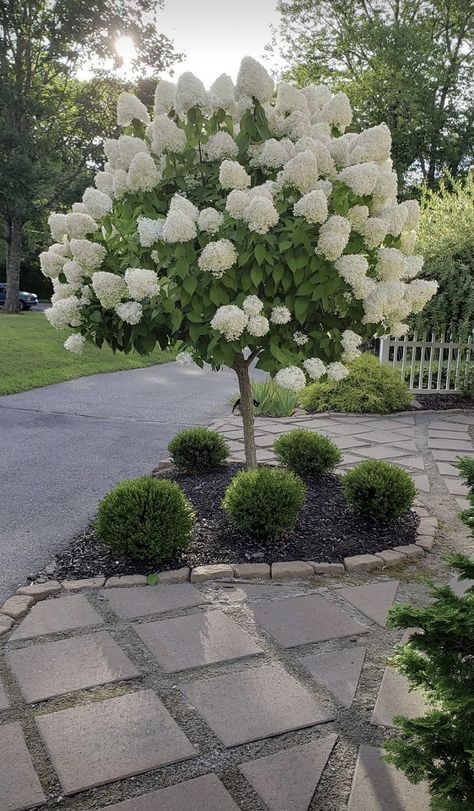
[(270, 241), (50, 122), (405, 62)]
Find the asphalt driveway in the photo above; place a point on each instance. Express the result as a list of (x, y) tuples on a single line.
[(63, 446)]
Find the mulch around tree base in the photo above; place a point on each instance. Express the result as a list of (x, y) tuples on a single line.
[(443, 402), (326, 530)]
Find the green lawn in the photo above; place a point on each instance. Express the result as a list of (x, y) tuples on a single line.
[(32, 355)]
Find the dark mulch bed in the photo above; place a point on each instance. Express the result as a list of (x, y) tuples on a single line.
[(442, 402), (326, 531)]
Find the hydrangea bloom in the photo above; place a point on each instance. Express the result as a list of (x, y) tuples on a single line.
[(413, 216), (143, 174), (184, 358), (89, 254), (261, 215), (51, 263), (357, 216), (75, 343), (180, 203), (166, 136), (252, 305), (289, 98), (314, 367), (324, 159), (333, 237), (253, 81), (337, 111), (390, 265), (149, 231), (221, 145), (190, 92), (237, 202), (65, 313), (221, 94), (105, 182), (337, 371), (373, 144), (109, 288), (350, 342), (129, 108), (141, 283), (273, 154), (361, 178), (178, 227), (231, 321), (353, 269), (280, 315), (258, 325), (165, 97), (121, 152), (413, 266), (374, 230), (210, 220), (217, 257), (291, 378), (74, 272), (300, 338), (79, 225), (131, 312), (233, 176), (313, 206), (301, 171)]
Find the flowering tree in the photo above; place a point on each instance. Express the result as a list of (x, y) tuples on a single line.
[(240, 226)]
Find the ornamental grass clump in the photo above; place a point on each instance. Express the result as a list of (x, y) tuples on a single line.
[(378, 490), (307, 453), (264, 502), (146, 519), (198, 449), (438, 747), (240, 225)]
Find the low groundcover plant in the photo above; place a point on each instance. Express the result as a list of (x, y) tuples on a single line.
[(239, 224)]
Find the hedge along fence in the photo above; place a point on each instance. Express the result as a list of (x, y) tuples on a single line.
[(430, 365)]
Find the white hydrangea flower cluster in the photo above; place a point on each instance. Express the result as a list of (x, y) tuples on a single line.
[(143, 174), (184, 358), (350, 343), (314, 367), (217, 257), (131, 312), (210, 220), (149, 231), (190, 92), (129, 107), (301, 171), (280, 315), (230, 321), (300, 338), (291, 378), (313, 207), (109, 288), (219, 146), (333, 237), (65, 313), (232, 175), (51, 263), (260, 215), (75, 343), (258, 325), (252, 305), (166, 136), (336, 371), (97, 203), (141, 283), (89, 254)]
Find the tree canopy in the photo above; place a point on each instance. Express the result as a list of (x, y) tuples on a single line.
[(50, 123), (405, 62)]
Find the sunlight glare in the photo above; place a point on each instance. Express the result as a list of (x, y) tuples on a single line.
[(125, 47)]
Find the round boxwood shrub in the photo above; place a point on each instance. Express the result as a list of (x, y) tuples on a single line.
[(378, 490), (306, 453), (198, 449), (370, 388), (264, 502), (145, 518)]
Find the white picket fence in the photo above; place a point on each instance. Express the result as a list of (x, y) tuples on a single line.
[(429, 365)]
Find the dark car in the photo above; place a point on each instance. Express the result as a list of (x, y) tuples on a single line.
[(26, 300)]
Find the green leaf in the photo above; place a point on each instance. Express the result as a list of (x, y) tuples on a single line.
[(260, 252), (152, 579), (256, 274), (190, 284)]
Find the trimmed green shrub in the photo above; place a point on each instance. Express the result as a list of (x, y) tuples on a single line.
[(270, 399), (146, 518), (306, 453), (198, 449), (466, 466), (370, 388), (264, 502), (438, 746), (378, 490)]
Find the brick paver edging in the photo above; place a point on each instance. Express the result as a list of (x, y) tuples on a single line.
[(17, 606)]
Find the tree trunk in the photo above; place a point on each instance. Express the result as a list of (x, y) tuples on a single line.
[(13, 260), (241, 367)]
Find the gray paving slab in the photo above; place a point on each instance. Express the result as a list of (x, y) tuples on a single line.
[(377, 786), (348, 442), (446, 469), (405, 444), (239, 592), (450, 444), (55, 616), (54, 668), (381, 437), (466, 419), (339, 671), (442, 425), (395, 698), (138, 601), (256, 703), (380, 452), (422, 483), (373, 600), (95, 743), (201, 794), (442, 455), (196, 640), (385, 423), (4, 700), (348, 430), (20, 787), (456, 486), (287, 780), (412, 462), (448, 435), (302, 620)]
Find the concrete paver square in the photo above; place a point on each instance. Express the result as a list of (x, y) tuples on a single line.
[(395, 698), (19, 785), (345, 442), (449, 444), (93, 744), (446, 469), (195, 640), (382, 437), (413, 462), (422, 483), (380, 452), (302, 620), (456, 435), (138, 601), (456, 487), (54, 668), (339, 671), (441, 425), (287, 780), (443, 455), (201, 794), (373, 600), (4, 702), (348, 430), (253, 704), (377, 786), (56, 615)]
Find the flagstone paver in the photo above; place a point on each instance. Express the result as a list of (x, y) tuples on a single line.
[(20, 787), (138, 602), (301, 620), (92, 744), (395, 698), (253, 704), (193, 641), (377, 786), (4, 701), (52, 669), (54, 616), (201, 794), (373, 600), (339, 671), (287, 780)]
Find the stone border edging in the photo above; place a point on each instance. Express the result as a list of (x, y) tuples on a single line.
[(17, 606)]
